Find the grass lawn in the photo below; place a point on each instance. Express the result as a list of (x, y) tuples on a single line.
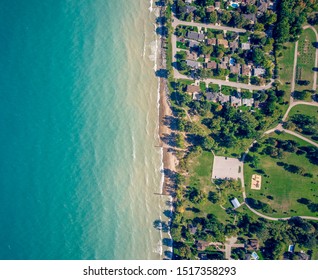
[(214, 87), (243, 38), (228, 90), (285, 66), (200, 173), (285, 187), (306, 59), (181, 45), (236, 151), (310, 111)]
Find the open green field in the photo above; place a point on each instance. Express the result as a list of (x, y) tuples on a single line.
[(306, 59), (285, 65), (284, 187), (307, 110), (200, 173)]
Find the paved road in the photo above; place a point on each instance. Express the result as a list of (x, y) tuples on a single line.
[(176, 22)]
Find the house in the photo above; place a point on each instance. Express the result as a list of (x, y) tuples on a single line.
[(234, 45), (248, 102), (192, 229), (211, 65), (188, 1), (187, 9), (263, 6), (245, 46), (211, 42), (246, 70), (259, 71), (211, 96), (192, 56), (193, 89), (180, 39), (235, 101), (252, 245), (223, 42), (193, 44), (196, 96), (226, 59), (251, 18), (192, 35), (222, 65), (222, 98), (217, 5), (201, 245), (235, 69), (193, 64), (235, 203), (210, 9), (302, 256)]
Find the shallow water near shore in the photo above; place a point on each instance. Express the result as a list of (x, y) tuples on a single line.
[(79, 125)]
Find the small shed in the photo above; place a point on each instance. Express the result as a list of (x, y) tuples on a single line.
[(235, 203)]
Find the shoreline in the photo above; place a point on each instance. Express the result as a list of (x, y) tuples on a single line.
[(169, 160)]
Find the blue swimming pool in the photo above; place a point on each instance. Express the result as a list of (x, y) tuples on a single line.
[(235, 5)]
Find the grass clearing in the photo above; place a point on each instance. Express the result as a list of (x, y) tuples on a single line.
[(307, 110), (285, 66)]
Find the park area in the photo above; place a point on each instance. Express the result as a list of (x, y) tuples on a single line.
[(305, 61), (289, 178), (303, 119), (216, 194)]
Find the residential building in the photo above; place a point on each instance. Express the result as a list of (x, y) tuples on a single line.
[(187, 9), (222, 65), (235, 101), (211, 65), (235, 69), (245, 46), (252, 245), (202, 245), (193, 44), (192, 35), (211, 42), (192, 56), (251, 18), (248, 102), (259, 71), (193, 88), (222, 98), (193, 64), (246, 70), (217, 5), (234, 45), (223, 42), (210, 9)]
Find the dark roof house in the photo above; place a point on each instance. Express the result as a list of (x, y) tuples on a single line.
[(195, 36)]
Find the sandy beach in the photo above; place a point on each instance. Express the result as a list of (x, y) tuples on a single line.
[(165, 113)]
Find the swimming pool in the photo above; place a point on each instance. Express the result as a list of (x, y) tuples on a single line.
[(235, 5)]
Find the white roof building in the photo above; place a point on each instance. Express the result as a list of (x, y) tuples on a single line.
[(235, 203)]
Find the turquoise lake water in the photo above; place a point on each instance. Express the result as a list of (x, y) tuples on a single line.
[(78, 130)]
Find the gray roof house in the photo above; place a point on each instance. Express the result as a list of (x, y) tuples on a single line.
[(193, 44), (195, 36), (235, 203), (248, 102), (193, 64), (236, 101), (187, 9), (250, 17), (259, 71)]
